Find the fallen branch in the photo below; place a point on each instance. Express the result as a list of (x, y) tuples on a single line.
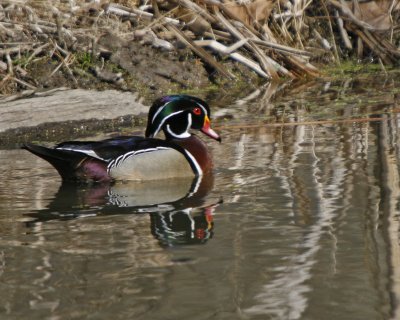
[(343, 7), (196, 49), (264, 61), (3, 66), (213, 44), (124, 11), (322, 41), (201, 52), (37, 51), (281, 48), (4, 80), (197, 9), (149, 37), (6, 31), (26, 84), (9, 64), (343, 32), (17, 49)]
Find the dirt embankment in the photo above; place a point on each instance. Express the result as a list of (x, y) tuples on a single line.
[(167, 46), (90, 46)]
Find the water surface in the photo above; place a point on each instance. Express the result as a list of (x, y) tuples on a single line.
[(299, 221)]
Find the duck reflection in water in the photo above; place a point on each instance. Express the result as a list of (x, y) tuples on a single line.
[(180, 211)]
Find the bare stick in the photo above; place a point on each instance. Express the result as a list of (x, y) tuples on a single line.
[(124, 11), (15, 50), (349, 14), (56, 69), (26, 84), (8, 32), (335, 50), (3, 66), (324, 43), (4, 80), (282, 48), (9, 64), (303, 65), (66, 65), (343, 32), (196, 49), (262, 59), (201, 52), (197, 9), (37, 51), (234, 55)]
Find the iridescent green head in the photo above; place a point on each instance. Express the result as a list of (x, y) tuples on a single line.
[(177, 114)]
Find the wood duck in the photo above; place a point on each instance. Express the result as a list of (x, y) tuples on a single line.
[(181, 154)]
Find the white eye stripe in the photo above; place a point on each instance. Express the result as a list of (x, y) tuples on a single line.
[(204, 109), (163, 106), (184, 134), (189, 122), (165, 119), (159, 110)]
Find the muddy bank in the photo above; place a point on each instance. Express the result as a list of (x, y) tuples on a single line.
[(91, 47), (173, 46), (129, 65)]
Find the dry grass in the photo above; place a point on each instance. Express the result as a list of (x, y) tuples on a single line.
[(273, 38)]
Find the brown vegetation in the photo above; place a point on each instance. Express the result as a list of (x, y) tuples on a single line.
[(268, 38)]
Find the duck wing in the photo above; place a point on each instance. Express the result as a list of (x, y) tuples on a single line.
[(121, 158), (112, 148)]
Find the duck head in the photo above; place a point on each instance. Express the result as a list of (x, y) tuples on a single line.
[(177, 114)]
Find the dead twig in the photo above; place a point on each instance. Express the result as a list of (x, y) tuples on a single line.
[(196, 49), (335, 49), (24, 83), (64, 61), (234, 55), (323, 42), (201, 52), (282, 48), (343, 33), (15, 50), (120, 10), (262, 59), (198, 10), (5, 80), (36, 52), (9, 64), (343, 7), (3, 66), (6, 31)]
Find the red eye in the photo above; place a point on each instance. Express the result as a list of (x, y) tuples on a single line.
[(197, 111)]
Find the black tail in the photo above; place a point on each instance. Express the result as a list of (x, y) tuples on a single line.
[(64, 161)]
